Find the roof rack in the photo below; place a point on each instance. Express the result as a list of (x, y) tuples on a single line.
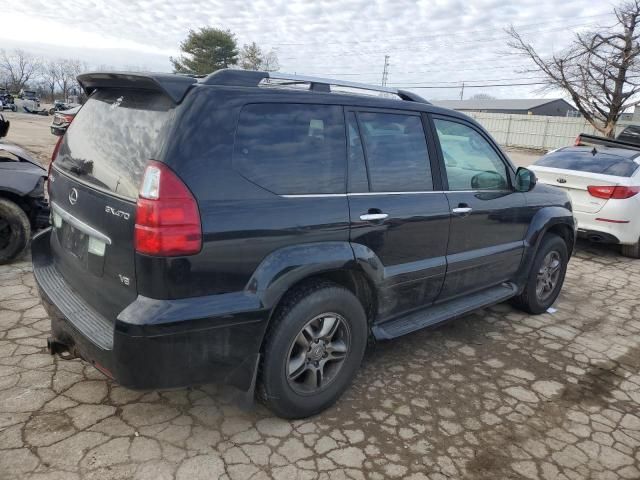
[(250, 78)]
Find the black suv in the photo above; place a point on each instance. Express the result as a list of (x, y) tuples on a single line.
[(258, 229)]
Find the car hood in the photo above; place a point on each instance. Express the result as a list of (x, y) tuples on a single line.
[(27, 163)]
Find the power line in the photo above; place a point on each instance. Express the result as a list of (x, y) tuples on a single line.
[(435, 35), (445, 44), (473, 86)]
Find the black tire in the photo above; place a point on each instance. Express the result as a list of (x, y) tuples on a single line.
[(530, 300), (632, 251), (15, 231), (14, 108), (298, 308)]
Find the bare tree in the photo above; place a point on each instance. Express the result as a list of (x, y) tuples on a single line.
[(599, 70), (69, 69), (18, 67), (50, 76)]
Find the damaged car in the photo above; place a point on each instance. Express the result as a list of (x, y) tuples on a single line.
[(23, 206)]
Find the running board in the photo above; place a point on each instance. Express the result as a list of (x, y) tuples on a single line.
[(444, 311)]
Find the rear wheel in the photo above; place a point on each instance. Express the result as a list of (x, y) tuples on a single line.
[(632, 251), (15, 231), (313, 350), (546, 277)]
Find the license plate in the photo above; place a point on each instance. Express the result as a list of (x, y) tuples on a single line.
[(73, 240)]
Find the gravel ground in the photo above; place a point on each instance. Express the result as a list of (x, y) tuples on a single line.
[(32, 133), (498, 394)]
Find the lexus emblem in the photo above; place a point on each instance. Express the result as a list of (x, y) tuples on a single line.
[(561, 180), (73, 196)]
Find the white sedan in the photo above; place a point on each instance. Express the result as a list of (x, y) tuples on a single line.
[(604, 186)]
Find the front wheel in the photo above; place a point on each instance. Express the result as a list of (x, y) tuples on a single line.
[(313, 350), (15, 231), (546, 277)]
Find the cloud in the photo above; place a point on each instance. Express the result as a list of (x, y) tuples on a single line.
[(428, 40)]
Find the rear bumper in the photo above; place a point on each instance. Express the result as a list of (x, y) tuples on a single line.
[(155, 343), (606, 231)]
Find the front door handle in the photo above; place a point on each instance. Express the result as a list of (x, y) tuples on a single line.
[(462, 210), (371, 217)]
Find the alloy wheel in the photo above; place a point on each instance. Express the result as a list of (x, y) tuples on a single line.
[(317, 354), (548, 275)]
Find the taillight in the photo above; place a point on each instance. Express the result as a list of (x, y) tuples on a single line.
[(617, 192), (578, 141), (167, 217)]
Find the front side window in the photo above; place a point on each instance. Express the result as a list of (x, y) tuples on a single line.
[(396, 150), (470, 161), (292, 149)]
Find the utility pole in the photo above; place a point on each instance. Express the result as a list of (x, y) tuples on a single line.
[(385, 71), (462, 92)]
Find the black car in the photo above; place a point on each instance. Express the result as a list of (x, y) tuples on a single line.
[(258, 229), (23, 206)]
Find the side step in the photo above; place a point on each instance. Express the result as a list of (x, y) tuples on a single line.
[(444, 311)]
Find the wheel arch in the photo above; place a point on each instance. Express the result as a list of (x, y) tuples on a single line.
[(288, 268), (555, 220)]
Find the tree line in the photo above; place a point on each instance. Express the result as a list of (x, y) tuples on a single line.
[(21, 70)]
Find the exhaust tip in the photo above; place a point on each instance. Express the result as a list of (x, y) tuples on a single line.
[(56, 347)]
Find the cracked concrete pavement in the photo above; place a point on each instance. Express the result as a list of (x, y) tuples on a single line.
[(497, 394)]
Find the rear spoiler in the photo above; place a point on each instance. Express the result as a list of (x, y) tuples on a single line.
[(174, 86)]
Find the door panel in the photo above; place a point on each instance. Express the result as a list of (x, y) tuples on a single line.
[(397, 215), (486, 237), (485, 246)]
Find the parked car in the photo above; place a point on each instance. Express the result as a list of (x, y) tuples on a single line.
[(62, 120), (604, 183), (258, 229), (23, 206), (60, 106), (6, 101), (29, 95)]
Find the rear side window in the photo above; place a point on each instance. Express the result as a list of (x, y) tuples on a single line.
[(113, 136), (585, 161), (396, 149), (292, 149)]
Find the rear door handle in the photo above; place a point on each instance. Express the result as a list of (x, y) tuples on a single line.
[(369, 217), (462, 210)]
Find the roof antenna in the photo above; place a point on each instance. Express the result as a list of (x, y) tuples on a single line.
[(594, 151)]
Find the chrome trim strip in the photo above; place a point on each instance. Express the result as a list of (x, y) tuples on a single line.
[(79, 224), (363, 194)]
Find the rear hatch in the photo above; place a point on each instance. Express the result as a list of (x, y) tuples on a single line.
[(574, 169), (94, 187)]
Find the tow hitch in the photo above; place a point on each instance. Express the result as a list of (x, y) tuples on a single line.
[(58, 348)]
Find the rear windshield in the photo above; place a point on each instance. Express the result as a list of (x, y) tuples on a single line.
[(113, 136), (585, 161)]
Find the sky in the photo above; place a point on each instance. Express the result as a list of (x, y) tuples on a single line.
[(435, 43)]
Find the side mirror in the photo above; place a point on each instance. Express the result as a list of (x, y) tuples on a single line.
[(525, 180)]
